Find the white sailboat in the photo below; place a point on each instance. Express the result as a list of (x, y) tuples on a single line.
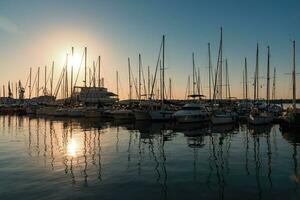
[(162, 114), (260, 115)]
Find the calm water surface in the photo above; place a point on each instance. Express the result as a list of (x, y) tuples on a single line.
[(86, 159)]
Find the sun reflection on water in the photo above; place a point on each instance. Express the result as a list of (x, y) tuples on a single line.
[(72, 148)]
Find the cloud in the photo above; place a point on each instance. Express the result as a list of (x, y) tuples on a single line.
[(8, 26)]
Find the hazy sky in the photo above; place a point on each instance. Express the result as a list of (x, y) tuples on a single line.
[(33, 33)]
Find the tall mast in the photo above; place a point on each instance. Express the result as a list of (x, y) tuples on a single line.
[(246, 79), (268, 77), (99, 75), (139, 77), (244, 85), (66, 77), (38, 83), (94, 74), (117, 78), (16, 90), (274, 85), (188, 87), (51, 81), (129, 80), (221, 63), (257, 73), (29, 83), (170, 89), (163, 70), (226, 80), (72, 71), (45, 84), (149, 82), (85, 65), (209, 71), (199, 83), (294, 74), (194, 82)]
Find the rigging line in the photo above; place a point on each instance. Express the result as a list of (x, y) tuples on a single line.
[(157, 63)]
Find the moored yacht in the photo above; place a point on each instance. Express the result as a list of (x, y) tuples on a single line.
[(193, 112), (259, 117)]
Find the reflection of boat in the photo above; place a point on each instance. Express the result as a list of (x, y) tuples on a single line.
[(258, 130), (222, 128), (196, 132), (193, 112), (181, 127)]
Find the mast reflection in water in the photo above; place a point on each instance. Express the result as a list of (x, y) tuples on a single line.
[(78, 158)]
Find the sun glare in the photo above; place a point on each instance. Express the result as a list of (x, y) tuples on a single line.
[(72, 148), (75, 60)]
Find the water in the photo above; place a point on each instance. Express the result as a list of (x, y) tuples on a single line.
[(86, 159)]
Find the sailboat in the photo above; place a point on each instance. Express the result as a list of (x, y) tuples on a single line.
[(163, 113), (221, 115), (259, 114), (291, 118)]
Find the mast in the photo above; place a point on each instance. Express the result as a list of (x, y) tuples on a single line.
[(85, 65), (170, 89), (38, 83), (194, 82), (99, 75), (163, 70), (29, 83), (209, 71), (244, 85), (274, 85), (72, 71), (117, 78), (139, 77), (246, 79), (45, 84), (188, 87), (66, 81), (129, 80), (227, 80), (199, 83), (268, 77), (149, 82), (221, 63), (257, 73), (94, 74), (294, 74), (51, 81)]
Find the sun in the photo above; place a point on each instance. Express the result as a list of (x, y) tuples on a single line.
[(75, 60)]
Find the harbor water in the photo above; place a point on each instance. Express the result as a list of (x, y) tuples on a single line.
[(89, 159)]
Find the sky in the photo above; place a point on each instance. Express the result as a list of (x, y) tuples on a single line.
[(33, 33)]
